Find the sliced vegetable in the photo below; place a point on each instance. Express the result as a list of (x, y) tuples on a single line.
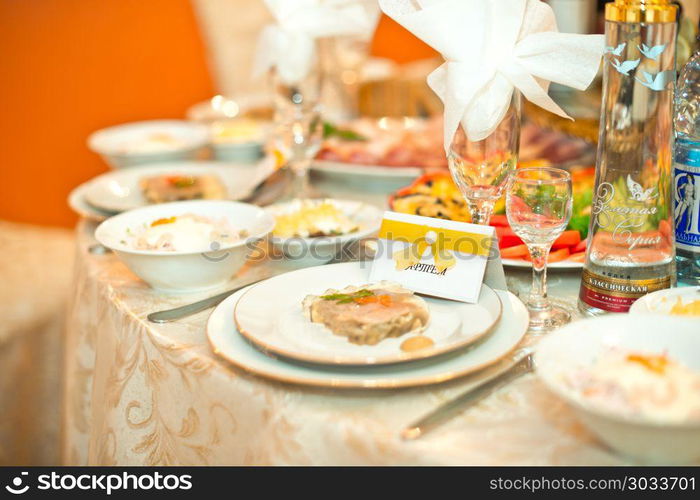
[(516, 252), (499, 220), (577, 257), (567, 239), (581, 247)]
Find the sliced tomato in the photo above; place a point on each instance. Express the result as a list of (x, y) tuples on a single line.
[(499, 220), (581, 247), (507, 238), (567, 239), (517, 252)]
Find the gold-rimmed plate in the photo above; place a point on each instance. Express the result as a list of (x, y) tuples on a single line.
[(270, 315), (227, 343)]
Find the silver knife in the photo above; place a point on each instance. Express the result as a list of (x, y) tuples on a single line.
[(473, 395)]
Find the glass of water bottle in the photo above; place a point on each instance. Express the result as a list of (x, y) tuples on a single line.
[(686, 173)]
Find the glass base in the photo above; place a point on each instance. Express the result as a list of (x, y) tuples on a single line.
[(546, 320)]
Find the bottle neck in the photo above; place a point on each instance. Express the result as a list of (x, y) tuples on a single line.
[(641, 11)]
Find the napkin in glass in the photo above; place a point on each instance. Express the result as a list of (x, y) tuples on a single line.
[(491, 48), (289, 43)]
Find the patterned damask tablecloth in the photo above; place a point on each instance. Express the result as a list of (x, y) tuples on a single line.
[(141, 393)]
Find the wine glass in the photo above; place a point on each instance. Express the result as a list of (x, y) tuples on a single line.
[(538, 206), (298, 128), (482, 169)]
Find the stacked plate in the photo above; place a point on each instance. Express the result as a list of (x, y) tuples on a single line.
[(120, 190), (264, 330)]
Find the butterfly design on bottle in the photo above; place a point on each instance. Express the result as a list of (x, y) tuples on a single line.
[(656, 82), (626, 66), (659, 81), (652, 52), (637, 193), (616, 51)]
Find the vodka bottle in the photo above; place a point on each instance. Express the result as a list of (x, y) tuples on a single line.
[(686, 174), (630, 240)]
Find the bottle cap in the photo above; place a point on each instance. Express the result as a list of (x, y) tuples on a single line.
[(641, 11)]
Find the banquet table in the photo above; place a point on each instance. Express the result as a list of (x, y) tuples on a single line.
[(139, 393)]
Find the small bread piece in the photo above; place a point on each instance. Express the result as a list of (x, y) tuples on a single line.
[(165, 188), (368, 314)]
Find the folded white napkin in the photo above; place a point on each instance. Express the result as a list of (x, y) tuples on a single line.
[(289, 44), (492, 47)]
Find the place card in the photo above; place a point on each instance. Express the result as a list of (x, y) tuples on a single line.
[(437, 257)]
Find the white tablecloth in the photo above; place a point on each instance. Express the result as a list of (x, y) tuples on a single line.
[(141, 393)]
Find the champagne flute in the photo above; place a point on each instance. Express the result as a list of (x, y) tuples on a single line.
[(482, 169), (538, 206), (298, 128)]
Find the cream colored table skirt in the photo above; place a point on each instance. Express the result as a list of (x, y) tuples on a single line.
[(141, 393), (35, 278)]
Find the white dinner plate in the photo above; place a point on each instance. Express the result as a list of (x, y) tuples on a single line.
[(524, 264), (661, 301), (119, 191), (270, 315), (353, 171), (230, 345), (78, 203)]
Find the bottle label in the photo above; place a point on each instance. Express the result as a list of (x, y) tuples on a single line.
[(686, 206), (617, 294)]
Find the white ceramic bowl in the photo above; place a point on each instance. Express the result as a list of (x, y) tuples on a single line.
[(241, 152), (580, 343), (181, 272), (113, 143), (322, 249)]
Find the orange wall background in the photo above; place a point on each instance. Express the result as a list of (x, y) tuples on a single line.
[(70, 67)]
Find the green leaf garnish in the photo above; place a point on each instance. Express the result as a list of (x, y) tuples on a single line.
[(346, 298), (330, 130)]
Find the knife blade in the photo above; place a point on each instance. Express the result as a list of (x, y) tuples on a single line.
[(473, 395)]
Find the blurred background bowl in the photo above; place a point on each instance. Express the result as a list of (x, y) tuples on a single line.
[(153, 141)]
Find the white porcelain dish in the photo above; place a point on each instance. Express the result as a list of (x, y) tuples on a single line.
[(227, 343), (661, 301), (119, 145), (580, 344), (79, 205), (120, 190), (322, 249), (365, 173), (270, 315), (181, 272)]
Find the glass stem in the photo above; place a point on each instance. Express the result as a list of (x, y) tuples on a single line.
[(301, 187), (538, 293), (480, 211)]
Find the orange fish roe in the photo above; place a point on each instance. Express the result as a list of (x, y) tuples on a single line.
[(656, 364)]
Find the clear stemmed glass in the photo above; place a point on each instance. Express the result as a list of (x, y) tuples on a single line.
[(482, 169), (538, 206), (298, 128)]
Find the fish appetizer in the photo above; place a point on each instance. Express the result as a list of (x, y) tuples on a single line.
[(314, 219), (639, 384), (368, 314), (165, 188)]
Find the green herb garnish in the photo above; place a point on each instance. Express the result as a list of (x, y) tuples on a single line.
[(330, 130), (346, 298)]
